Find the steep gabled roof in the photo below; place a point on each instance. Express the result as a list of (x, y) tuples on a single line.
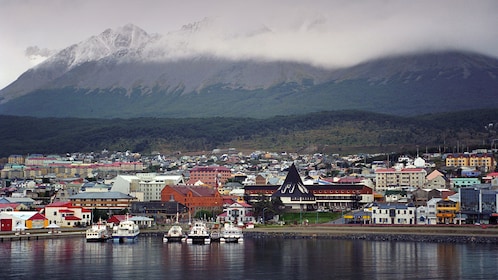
[(293, 185)]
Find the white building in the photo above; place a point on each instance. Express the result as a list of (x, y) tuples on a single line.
[(64, 214), (389, 178), (145, 186), (393, 214)]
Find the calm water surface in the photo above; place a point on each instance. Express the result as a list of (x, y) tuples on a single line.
[(149, 258)]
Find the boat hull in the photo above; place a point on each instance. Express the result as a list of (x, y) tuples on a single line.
[(205, 239), (124, 239), (172, 239)]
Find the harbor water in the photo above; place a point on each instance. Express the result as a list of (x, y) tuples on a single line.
[(262, 259)]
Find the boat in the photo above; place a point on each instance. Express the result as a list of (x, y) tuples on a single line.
[(174, 234), (231, 234), (125, 231), (198, 234), (215, 233), (97, 233)]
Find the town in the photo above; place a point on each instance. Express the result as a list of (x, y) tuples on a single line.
[(77, 190)]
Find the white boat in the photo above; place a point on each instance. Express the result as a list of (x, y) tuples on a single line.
[(97, 233), (126, 231), (174, 234), (198, 234), (231, 234)]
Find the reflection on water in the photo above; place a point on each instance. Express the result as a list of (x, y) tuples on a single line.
[(261, 259)]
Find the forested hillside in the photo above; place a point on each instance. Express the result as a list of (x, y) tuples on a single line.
[(328, 132)]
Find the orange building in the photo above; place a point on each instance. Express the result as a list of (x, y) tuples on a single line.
[(193, 197), (486, 161), (209, 175)]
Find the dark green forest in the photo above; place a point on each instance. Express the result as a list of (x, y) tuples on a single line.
[(328, 132)]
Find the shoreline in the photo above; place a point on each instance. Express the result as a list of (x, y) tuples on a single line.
[(416, 233)]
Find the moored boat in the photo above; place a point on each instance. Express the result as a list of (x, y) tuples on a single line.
[(198, 234), (97, 233), (125, 231), (174, 234), (231, 234)]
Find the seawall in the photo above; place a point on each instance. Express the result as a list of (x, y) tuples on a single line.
[(438, 234)]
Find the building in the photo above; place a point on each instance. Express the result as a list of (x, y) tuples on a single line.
[(446, 211), (151, 184), (102, 200), (193, 197), (237, 213), (437, 180), (65, 214), (333, 196), (393, 213), (478, 204), (21, 220), (209, 175), (294, 194), (458, 183), (482, 161), (388, 178)]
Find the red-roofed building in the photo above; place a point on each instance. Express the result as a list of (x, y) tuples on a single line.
[(193, 197), (65, 214), (37, 221)]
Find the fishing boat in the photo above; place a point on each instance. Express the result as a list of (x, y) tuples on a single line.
[(125, 231), (231, 234), (198, 234), (97, 233)]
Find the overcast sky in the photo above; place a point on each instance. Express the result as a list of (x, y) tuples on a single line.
[(326, 33)]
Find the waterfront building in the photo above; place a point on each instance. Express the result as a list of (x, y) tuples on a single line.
[(237, 212), (65, 214), (478, 204), (294, 194), (334, 196), (393, 213), (446, 211), (22, 220)]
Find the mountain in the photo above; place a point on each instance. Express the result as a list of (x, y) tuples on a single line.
[(126, 73)]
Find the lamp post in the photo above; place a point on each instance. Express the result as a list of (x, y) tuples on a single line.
[(264, 209)]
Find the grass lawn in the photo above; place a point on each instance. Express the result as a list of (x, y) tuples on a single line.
[(312, 217)]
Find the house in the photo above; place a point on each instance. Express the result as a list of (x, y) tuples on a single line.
[(65, 214), (437, 180)]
